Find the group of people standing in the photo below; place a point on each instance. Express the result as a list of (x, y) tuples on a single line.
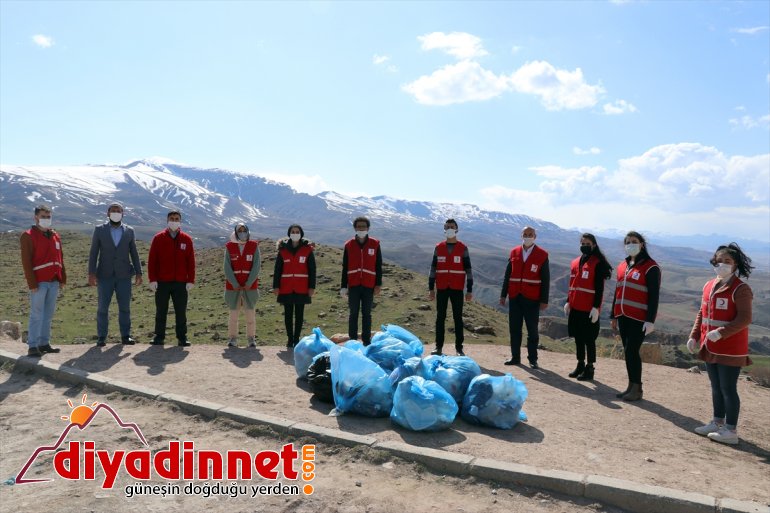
[(720, 332)]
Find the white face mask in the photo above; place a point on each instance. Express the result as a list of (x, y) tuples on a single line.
[(450, 233), (723, 270), (633, 249), (295, 237), (361, 233), (527, 241), (174, 225), (116, 217), (45, 222)]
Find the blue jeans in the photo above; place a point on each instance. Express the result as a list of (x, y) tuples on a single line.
[(42, 304), (724, 392), (121, 287)]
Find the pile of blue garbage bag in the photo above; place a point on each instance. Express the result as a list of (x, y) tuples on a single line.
[(389, 378)]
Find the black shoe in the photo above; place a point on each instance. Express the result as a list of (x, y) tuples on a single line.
[(157, 342), (513, 361), (587, 374), (534, 365), (48, 349), (578, 370), (437, 352), (127, 341), (184, 343), (460, 352), (34, 352), (101, 342)]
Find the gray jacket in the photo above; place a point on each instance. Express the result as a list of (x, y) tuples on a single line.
[(108, 261)]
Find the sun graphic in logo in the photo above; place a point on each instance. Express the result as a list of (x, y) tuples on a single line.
[(80, 414)]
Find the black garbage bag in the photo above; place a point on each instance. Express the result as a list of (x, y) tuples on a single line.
[(319, 375)]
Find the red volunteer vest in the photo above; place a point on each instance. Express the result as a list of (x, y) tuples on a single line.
[(362, 262), (450, 269), (717, 310), (581, 284), (294, 278), (631, 290), (242, 263), (525, 276), (47, 259)]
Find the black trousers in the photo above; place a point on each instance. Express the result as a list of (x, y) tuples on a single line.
[(293, 318), (585, 332), (360, 298), (632, 336), (177, 292), (443, 297), (523, 311)]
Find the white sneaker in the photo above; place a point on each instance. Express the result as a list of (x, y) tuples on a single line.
[(711, 427), (725, 436), (252, 342), (233, 342)]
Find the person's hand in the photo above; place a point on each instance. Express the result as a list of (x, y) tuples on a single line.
[(594, 315), (468, 296), (692, 345), (377, 289), (343, 293), (33, 290), (614, 324), (543, 306), (567, 309), (311, 292), (714, 335), (648, 328), (138, 279), (92, 280), (431, 295), (277, 291), (502, 300), (153, 286), (189, 286)]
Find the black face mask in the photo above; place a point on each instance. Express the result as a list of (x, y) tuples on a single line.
[(586, 249)]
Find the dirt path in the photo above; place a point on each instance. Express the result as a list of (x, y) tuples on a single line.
[(573, 426)]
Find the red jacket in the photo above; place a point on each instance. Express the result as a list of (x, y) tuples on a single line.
[(362, 262), (47, 259), (450, 269), (294, 273), (525, 276), (581, 284), (242, 263), (171, 258), (717, 310), (631, 296)]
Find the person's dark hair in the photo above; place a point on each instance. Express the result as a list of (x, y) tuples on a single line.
[(451, 220), (603, 263), (742, 260), (643, 254), (172, 212), (301, 231), (361, 219), (42, 208)]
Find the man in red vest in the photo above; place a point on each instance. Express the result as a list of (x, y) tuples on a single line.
[(450, 271), (526, 285), (361, 278), (171, 270), (43, 263)]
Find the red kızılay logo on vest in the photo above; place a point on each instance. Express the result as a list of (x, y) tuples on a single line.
[(180, 460)]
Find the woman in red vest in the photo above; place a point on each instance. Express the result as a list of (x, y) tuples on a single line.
[(294, 280), (635, 307), (584, 302), (242, 263), (722, 331)]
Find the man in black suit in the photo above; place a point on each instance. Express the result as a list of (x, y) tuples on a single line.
[(112, 262)]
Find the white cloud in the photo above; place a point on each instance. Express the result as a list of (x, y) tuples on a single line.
[(750, 31), (458, 44), (461, 82), (310, 184), (43, 41), (590, 151), (380, 59), (677, 188), (748, 122), (557, 88), (619, 107)]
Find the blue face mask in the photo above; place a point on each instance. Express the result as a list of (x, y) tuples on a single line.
[(243, 236)]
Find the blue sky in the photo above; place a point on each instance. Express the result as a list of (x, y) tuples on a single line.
[(601, 115)]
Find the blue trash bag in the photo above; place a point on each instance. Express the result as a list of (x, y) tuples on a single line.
[(495, 401), (422, 405), (307, 349), (355, 345), (414, 366), (455, 373), (389, 353), (404, 335), (359, 385)]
